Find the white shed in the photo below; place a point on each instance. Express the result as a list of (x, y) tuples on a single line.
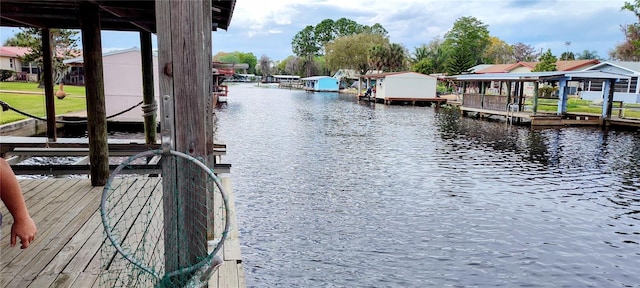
[(404, 85), (123, 81)]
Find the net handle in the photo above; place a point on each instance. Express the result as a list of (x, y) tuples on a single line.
[(103, 213)]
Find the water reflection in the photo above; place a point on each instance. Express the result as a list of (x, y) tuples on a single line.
[(331, 192)]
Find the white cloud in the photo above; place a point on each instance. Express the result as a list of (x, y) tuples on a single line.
[(267, 27), (258, 17)]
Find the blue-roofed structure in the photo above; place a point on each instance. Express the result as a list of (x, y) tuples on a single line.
[(321, 84)]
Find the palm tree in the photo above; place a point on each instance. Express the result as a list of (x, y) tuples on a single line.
[(420, 53), (396, 57), (378, 56)]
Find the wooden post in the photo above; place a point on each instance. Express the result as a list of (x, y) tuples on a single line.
[(563, 97), (208, 83), (184, 58), (94, 83), (607, 103), (521, 96), (148, 95), (508, 93), (481, 95), (536, 94), (47, 61)]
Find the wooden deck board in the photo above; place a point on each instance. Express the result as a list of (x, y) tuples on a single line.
[(231, 246), (39, 206), (66, 252), (57, 234)]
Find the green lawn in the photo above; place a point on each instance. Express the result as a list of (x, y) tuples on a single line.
[(585, 106), (35, 103)]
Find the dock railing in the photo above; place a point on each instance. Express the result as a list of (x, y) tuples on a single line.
[(489, 102)]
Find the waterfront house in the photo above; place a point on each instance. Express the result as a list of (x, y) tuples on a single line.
[(627, 91), (403, 85), (122, 80), (321, 84), (10, 59)]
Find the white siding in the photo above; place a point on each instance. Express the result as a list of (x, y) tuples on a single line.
[(123, 82), (407, 85)]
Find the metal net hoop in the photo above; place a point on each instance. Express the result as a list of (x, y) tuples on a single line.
[(131, 207)]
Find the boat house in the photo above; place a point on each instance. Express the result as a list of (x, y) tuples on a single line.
[(510, 99), (321, 84), (122, 70), (72, 249), (403, 86)]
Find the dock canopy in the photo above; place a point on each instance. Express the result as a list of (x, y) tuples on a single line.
[(541, 76), (139, 15)]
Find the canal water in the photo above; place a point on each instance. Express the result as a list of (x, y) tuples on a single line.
[(334, 193)]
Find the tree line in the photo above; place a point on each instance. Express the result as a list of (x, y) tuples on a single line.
[(333, 45), (345, 44)]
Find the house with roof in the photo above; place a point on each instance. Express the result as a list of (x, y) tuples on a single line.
[(627, 91), (321, 84), (10, 59), (122, 70)]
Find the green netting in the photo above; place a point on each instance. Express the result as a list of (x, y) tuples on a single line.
[(162, 236)]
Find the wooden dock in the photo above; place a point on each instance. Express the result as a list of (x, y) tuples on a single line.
[(18, 149), (66, 251), (552, 119), (404, 100)]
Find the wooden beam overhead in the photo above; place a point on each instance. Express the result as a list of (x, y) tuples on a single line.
[(116, 15)]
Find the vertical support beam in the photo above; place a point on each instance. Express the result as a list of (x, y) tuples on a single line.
[(209, 82), (94, 83), (149, 106), (481, 95), (47, 63), (521, 96), (607, 101), (563, 97), (536, 94), (509, 83), (184, 58)]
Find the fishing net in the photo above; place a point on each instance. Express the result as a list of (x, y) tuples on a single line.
[(162, 239)]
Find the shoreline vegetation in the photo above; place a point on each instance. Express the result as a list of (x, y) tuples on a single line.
[(27, 97)]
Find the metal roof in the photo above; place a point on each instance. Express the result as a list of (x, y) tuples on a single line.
[(119, 15), (632, 67), (540, 76), (312, 78), (386, 74)]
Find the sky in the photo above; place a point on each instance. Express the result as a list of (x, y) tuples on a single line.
[(267, 27)]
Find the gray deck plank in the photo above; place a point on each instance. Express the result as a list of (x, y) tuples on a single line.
[(66, 252)]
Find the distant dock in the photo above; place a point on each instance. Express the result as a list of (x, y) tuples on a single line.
[(405, 100)]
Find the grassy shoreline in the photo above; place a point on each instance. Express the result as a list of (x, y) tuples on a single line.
[(27, 97)]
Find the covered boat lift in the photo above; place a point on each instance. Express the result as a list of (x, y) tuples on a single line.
[(510, 99), (67, 251)]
